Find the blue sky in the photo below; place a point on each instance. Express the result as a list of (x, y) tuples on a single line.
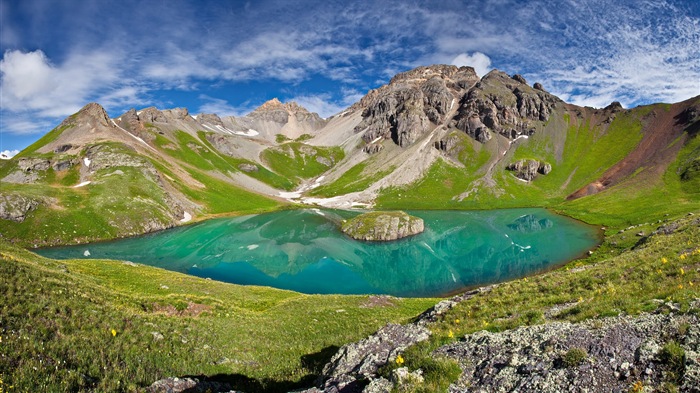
[(228, 57)]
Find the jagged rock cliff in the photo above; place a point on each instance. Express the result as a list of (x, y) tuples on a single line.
[(413, 103)]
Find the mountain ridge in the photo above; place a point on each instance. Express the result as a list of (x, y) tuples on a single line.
[(433, 137)]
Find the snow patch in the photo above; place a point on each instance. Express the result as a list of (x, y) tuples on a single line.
[(85, 183), (222, 129), (194, 116), (87, 162), (377, 139), (86, 253), (187, 217)]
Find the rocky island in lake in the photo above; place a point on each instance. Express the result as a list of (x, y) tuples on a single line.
[(382, 226)]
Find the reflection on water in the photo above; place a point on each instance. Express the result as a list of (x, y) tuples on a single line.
[(304, 250)]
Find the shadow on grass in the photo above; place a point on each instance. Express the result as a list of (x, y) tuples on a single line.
[(224, 382)]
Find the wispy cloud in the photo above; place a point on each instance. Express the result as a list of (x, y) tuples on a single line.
[(323, 56)]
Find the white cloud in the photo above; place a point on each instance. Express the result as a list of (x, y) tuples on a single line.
[(319, 103), (7, 154), (478, 60), (30, 82), (222, 107)]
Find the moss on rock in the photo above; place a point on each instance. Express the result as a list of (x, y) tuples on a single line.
[(382, 226)]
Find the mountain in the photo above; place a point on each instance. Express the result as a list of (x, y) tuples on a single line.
[(433, 137)]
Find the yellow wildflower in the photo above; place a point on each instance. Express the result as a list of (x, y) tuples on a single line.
[(114, 333), (690, 283), (451, 334), (580, 299), (682, 256), (484, 323), (680, 286), (457, 321), (399, 360), (658, 271), (682, 271), (664, 260)]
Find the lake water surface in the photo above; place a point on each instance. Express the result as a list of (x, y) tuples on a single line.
[(304, 250)]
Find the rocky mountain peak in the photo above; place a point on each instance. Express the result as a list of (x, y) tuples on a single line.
[(413, 103), (443, 71), (93, 113), (277, 105), (503, 104)]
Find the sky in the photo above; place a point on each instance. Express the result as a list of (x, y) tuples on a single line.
[(229, 57)]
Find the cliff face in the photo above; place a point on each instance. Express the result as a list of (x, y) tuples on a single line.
[(416, 101), (413, 103)]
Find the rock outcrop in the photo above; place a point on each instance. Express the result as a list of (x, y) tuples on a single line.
[(504, 105), (16, 207), (529, 169), (382, 226), (354, 364), (602, 355), (413, 103), (605, 355)]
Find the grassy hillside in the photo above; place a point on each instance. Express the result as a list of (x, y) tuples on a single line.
[(297, 161), (111, 326), (127, 196)]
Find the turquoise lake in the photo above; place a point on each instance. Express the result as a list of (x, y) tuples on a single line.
[(304, 250)]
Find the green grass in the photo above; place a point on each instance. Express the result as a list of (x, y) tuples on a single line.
[(296, 160), (443, 182), (353, 180), (263, 174), (57, 319)]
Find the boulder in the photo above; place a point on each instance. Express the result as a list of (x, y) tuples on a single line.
[(528, 169), (382, 226), (245, 167), (361, 360)]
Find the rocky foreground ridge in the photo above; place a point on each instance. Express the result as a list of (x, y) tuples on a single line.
[(614, 354)]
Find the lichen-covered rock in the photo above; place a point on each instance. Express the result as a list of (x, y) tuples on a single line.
[(382, 226), (361, 360), (611, 354), (15, 207)]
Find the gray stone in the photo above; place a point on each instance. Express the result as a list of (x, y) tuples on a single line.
[(245, 167), (362, 360), (529, 169), (15, 207)]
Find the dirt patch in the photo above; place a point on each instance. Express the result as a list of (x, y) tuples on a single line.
[(192, 310), (378, 301)]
